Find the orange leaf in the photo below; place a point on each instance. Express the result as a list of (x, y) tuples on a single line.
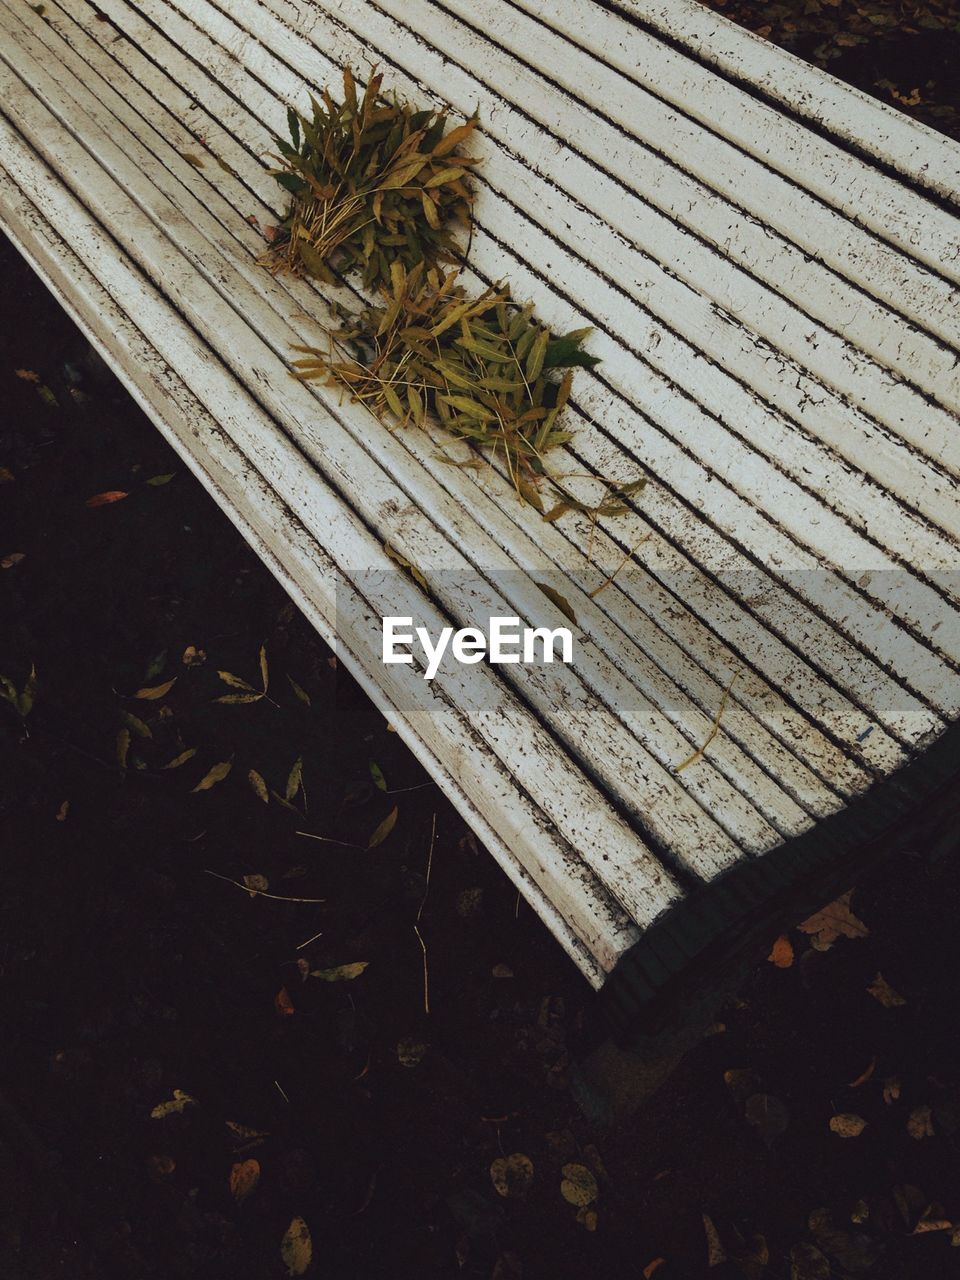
[(653, 1266), (862, 1079), (27, 375), (104, 499), (283, 1004), (782, 953), (244, 1177)]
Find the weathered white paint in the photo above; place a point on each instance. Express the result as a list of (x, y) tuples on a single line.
[(775, 317)]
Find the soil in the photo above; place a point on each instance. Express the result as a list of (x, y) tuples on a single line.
[(135, 963)]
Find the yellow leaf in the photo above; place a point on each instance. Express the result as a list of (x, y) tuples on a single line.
[(264, 670), (259, 786), (123, 747), (449, 142), (296, 1247), (215, 775), (342, 972), (63, 811), (579, 1186), (236, 699), (782, 953), (511, 1175), (244, 1177), (156, 691), (235, 682), (176, 1105), (847, 1125), (182, 758), (587, 1218), (384, 829)]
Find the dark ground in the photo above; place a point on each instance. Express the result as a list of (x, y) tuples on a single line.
[(126, 972)]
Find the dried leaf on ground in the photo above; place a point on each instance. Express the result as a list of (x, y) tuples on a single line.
[(808, 1263), (383, 829), (175, 1106), (341, 972), (891, 1089), (296, 1247), (411, 1051), (847, 1125), (256, 884), (920, 1123), (881, 990), (153, 692), (716, 1254), (579, 1186), (258, 786), (14, 558), (833, 922), (864, 1076), (214, 775), (107, 498), (512, 1175), (781, 954), (244, 1176), (283, 1004)]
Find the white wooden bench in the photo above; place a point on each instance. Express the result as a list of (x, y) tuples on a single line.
[(770, 260)]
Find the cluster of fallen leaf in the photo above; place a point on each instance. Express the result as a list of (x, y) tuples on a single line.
[(373, 182), (374, 185), (296, 1244)]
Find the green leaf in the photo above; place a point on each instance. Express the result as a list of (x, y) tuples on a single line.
[(293, 124), (301, 694), (342, 972), (376, 773), (156, 481), (294, 779), (139, 727)]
